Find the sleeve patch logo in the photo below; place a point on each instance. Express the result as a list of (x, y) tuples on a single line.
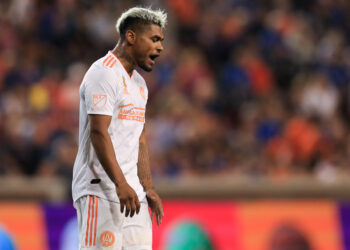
[(107, 239), (99, 101)]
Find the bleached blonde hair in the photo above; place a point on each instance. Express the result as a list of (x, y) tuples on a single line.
[(146, 15)]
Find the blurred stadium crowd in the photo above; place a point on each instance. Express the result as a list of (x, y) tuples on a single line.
[(252, 88)]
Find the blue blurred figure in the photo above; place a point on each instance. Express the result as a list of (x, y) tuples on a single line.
[(70, 235), (6, 243)]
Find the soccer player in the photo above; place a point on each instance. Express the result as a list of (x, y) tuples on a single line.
[(112, 182)]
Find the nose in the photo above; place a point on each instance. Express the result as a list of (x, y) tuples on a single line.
[(160, 47)]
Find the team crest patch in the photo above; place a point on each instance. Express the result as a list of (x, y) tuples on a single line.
[(142, 93), (99, 101), (107, 238)]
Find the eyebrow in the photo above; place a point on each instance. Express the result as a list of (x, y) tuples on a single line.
[(158, 37)]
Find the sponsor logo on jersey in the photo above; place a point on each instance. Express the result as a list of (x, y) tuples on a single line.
[(131, 113), (99, 101), (107, 238)]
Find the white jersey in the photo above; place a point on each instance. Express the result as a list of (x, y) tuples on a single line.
[(107, 89)]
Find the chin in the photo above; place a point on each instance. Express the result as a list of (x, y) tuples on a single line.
[(146, 68)]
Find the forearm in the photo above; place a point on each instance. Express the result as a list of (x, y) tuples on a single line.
[(105, 153), (143, 165)]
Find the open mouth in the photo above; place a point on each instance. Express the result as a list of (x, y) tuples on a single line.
[(153, 57)]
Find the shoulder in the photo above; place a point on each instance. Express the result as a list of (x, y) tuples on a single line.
[(101, 79), (99, 73)]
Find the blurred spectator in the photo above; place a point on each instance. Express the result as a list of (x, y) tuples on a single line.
[(319, 98), (257, 88)]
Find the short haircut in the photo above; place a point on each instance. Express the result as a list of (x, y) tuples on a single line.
[(135, 17)]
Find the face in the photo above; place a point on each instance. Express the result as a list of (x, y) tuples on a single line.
[(147, 46)]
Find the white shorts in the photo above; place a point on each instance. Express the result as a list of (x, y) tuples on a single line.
[(103, 226)]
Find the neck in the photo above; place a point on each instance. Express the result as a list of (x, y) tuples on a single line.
[(124, 57)]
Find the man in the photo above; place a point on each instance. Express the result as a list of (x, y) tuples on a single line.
[(112, 182)]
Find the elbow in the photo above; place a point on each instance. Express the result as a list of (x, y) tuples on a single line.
[(96, 133)]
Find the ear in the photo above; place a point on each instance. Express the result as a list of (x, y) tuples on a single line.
[(130, 36)]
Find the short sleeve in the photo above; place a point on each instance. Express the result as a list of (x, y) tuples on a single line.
[(100, 94)]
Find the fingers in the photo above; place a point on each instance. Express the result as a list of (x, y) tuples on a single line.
[(157, 211), (160, 215), (152, 216), (122, 205), (133, 207), (138, 205), (160, 212), (128, 208), (159, 220)]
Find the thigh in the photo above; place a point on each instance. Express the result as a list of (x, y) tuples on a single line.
[(137, 231), (100, 224)]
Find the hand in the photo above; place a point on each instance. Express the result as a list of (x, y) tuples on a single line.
[(155, 203), (128, 199)]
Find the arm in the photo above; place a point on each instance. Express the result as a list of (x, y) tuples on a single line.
[(105, 153), (143, 168), (145, 176)]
